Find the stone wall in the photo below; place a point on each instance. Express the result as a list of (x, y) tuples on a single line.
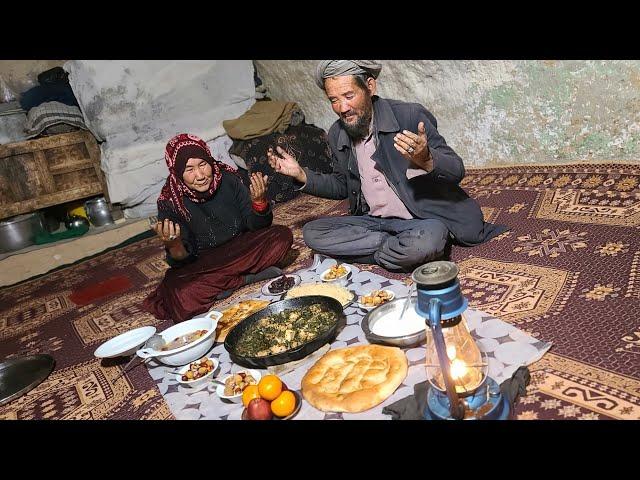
[(499, 112)]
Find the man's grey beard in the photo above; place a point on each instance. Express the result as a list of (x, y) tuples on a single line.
[(360, 129)]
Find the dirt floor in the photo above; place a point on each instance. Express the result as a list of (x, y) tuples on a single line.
[(38, 259)]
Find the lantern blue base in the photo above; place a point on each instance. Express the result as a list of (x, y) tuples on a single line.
[(486, 403)]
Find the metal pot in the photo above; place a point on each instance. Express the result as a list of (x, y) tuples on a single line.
[(98, 212), (73, 222), (394, 306), (20, 231)]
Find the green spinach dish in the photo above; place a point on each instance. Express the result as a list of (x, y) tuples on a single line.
[(286, 330)]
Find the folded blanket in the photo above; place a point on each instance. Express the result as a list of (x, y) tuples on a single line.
[(49, 114), (263, 118)]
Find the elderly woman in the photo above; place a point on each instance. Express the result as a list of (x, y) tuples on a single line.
[(218, 235)]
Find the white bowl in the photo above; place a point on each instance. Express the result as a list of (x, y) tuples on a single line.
[(125, 344), (236, 398), (198, 382), (192, 351), (371, 307), (340, 280)]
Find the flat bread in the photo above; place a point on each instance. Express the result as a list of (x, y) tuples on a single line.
[(235, 314), (354, 379)]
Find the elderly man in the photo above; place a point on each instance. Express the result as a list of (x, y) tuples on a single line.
[(399, 174)]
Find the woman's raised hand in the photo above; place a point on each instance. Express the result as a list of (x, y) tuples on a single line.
[(286, 164), (258, 187), (167, 231)]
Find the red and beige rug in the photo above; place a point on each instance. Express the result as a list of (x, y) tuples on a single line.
[(567, 272)]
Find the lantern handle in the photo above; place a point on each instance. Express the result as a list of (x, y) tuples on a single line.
[(456, 408)]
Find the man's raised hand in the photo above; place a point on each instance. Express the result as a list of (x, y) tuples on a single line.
[(286, 164)]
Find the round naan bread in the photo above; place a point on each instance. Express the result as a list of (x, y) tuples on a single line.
[(354, 379)]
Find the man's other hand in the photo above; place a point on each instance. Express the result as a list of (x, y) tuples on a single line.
[(414, 147), (286, 164)]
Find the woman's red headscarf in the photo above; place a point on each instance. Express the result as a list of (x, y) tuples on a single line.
[(179, 150)]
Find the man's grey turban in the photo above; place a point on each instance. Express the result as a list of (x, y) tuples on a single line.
[(338, 68)]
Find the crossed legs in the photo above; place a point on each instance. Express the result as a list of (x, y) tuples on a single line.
[(394, 244)]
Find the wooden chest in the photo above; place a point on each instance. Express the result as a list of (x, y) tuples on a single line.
[(49, 171)]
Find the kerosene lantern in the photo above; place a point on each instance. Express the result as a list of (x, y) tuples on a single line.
[(459, 387)]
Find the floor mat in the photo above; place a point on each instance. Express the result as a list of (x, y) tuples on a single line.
[(567, 272)]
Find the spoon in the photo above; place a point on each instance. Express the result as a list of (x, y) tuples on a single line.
[(155, 342), (407, 301)]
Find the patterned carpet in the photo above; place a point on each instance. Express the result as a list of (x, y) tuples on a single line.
[(568, 272)]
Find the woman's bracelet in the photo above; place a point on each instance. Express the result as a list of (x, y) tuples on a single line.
[(260, 206)]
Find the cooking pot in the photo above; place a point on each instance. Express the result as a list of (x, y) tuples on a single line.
[(73, 222), (231, 342), (98, 212), (20, 231)]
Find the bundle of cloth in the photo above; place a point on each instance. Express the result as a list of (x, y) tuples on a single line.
[(268, 123)]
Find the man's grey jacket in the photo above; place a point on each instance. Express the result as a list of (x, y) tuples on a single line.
[(428, 195)]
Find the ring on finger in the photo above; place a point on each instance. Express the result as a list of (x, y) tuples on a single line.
[(410, 149), (172, 237)]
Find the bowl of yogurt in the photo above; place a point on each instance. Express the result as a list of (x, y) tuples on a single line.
[(384, 324)]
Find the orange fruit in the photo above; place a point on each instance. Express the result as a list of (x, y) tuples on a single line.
[(249, 394), (270, 386), (284, 404)]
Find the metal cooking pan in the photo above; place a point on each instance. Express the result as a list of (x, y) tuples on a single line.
[(297, 353)]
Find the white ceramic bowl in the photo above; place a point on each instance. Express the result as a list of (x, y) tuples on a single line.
[(125, 344), (192, 351), (199, 382), (236, 398), (371, 307), (342, 281)]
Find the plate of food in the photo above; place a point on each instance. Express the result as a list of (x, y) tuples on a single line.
[(281, 284), (197, 373), (234, 384), (235, 314), (375, 298), (337, 273), (270, 399), (261, 409), (343, 295)]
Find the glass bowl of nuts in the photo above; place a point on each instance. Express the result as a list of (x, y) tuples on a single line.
[(235, 383), (197, 373)]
